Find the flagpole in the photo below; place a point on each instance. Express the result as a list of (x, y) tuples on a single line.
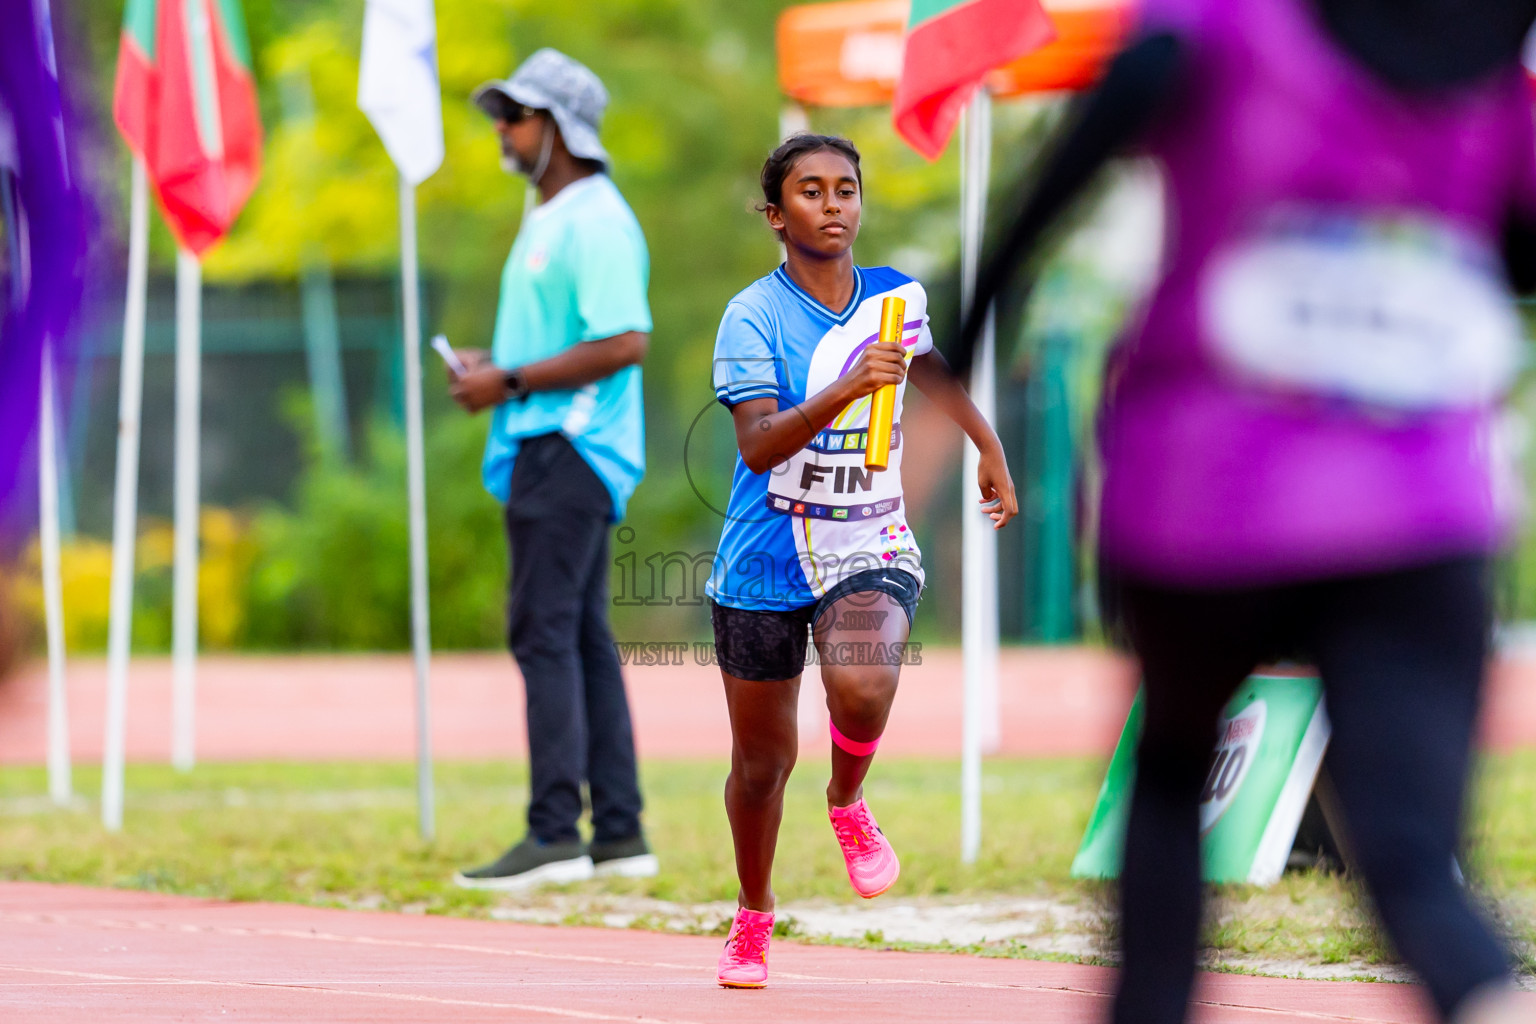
[(125, 503), (189, 287), (48, 527), (60, 786), (812, 714), (397, 89), (417, 488), (793, 119), (978, 539)]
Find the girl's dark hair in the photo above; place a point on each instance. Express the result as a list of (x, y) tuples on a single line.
[(802, 144)]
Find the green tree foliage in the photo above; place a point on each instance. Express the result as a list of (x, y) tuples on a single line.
[(334, 571), (695, 109)]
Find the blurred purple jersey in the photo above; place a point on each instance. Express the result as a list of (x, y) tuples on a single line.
[(1313, 387), (44, 229)]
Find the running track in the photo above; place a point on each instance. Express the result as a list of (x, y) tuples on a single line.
[(71, 955), (1053, 701)]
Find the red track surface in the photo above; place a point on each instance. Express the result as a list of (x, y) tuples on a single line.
[(84, 955), (1054, 701)]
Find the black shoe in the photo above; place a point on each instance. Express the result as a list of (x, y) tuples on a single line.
[(528, 864), (626, 858)]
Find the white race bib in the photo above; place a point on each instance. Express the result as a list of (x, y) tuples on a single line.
[(1401, 313), (827, 479)]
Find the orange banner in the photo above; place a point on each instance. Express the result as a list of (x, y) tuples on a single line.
[(1086, 38), (847, 54)]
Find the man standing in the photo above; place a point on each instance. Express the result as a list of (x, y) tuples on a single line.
[(565, 451)]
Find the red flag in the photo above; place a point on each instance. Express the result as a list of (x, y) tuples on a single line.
[(951, 45), (186, 103)]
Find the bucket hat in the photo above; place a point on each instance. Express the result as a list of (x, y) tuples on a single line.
[(573, 95)]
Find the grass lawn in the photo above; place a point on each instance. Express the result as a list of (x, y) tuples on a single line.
[(345, 835)]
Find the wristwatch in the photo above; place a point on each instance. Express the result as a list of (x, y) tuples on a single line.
[(516, 384)]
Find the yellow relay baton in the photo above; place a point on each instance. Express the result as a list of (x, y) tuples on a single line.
[(882, 407)]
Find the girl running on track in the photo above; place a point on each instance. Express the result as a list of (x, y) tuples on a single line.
[(814, 542), (1300, 435)]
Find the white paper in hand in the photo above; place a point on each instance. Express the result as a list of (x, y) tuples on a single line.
[(441, 346)]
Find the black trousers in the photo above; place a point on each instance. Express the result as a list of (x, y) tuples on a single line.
[(1402, 656), (557, 627)]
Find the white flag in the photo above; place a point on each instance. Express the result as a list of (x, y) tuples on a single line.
[(397, 84)]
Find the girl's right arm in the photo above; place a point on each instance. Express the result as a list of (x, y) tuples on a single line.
[(768, 436)]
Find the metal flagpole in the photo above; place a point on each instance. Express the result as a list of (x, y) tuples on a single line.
[(792, 120), (812, 714), (125, 503), (60, 787), (189, 287), (978, 539), (48, 505), (421, 642)]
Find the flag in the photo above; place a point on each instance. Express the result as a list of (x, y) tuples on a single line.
[(38, 189), (186, 103), (951, 45), (397, 84)]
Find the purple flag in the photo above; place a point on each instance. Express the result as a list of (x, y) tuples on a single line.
[(44, 222)]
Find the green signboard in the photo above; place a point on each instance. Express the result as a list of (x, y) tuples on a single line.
[(1270, 745)]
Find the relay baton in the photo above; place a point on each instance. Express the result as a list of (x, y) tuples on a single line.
[(882, 408)]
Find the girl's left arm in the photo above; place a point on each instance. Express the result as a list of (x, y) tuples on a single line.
[(931, 375)]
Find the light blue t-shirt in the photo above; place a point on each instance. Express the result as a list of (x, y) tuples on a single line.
[(793, 532), (578, 272)]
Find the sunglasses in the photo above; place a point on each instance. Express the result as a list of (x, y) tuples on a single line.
[(501, 108)]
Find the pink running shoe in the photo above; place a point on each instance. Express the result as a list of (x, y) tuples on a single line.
[(872, 864), (744, 961)]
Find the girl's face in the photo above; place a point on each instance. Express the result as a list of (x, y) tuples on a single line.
[(819, 212)]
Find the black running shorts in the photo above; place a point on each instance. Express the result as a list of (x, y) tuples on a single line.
[(770, 646)]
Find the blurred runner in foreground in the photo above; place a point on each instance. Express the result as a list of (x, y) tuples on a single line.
[(1300, 434), (43, 240), (565, 452)]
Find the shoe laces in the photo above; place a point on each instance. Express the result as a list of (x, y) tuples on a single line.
[(749, 940), (856, 832)]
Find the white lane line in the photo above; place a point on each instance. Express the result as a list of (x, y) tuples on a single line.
[(553, 1011), (360, 940), (366, 940)]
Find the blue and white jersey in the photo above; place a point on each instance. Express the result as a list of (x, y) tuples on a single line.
[(793, 532)]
